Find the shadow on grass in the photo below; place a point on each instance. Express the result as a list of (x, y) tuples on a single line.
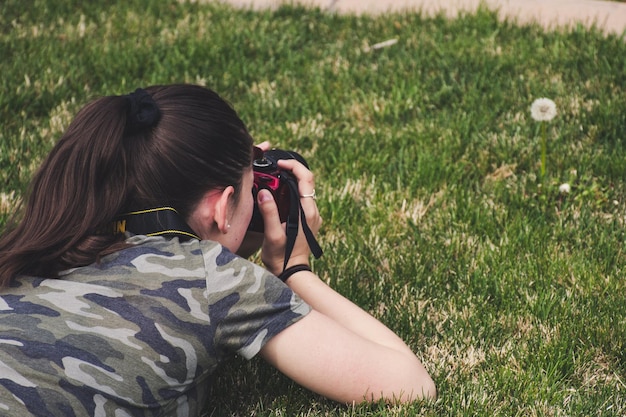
[(254, 388)]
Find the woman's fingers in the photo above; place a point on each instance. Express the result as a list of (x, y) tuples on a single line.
[(264, 146), (306, 188), (267, 206), (306, 179), (273, 249)]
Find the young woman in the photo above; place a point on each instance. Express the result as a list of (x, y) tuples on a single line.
[(121, 291)]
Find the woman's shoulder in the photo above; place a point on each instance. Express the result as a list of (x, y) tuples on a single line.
[(175, 258), (173, 251), (155, 264), (157, 255)]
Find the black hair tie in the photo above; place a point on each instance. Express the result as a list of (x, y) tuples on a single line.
[(142, 111)]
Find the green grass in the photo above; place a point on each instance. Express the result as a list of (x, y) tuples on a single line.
[(427, 165)]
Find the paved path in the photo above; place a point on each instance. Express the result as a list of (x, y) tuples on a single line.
[(609, 16)]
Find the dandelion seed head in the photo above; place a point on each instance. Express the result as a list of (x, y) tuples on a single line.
[(565, 188), (543, 110)]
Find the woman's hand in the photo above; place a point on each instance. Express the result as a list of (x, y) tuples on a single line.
[(273, 249)]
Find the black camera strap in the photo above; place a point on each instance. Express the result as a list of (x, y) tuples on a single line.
[(159, 221), (296, 214)]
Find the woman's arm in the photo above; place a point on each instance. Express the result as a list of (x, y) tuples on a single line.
[(338, 350), (343, 353), (327, 301)]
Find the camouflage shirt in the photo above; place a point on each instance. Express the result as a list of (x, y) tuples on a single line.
[(137, 334)]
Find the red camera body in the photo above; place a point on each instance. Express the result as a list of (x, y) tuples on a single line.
[(268, 176)]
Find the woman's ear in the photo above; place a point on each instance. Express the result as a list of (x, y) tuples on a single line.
[(223, 206), (210, 217)]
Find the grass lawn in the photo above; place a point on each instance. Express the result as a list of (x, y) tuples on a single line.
[(437, 218)]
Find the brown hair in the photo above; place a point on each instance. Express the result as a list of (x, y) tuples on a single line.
[(99, 170)]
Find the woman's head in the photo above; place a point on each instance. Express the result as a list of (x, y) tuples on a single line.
[(105, 165), (198, 144)]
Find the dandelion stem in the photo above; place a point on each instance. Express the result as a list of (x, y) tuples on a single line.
[(543, 149)]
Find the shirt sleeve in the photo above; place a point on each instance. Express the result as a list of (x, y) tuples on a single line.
[(247, 304)]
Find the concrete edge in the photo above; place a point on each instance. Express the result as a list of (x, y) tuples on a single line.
[(608, 17)]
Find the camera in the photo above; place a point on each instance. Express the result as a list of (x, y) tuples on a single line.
[(284, 187), (267, 175)]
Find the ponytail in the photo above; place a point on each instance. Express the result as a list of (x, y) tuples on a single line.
[(79, 188)]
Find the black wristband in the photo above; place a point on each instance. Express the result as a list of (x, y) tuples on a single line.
[(287, 273)]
